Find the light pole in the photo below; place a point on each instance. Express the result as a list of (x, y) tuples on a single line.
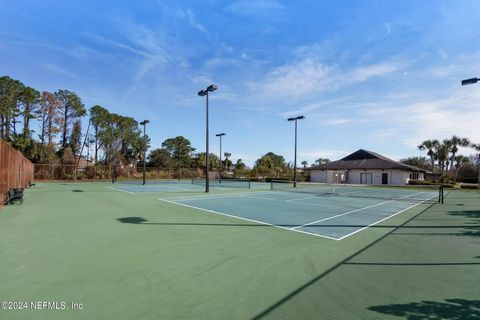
[(295, 158), (477, 147), (144, 124), (204, 93), (220, 135)]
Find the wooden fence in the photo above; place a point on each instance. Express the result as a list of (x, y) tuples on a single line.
[(16, 171)]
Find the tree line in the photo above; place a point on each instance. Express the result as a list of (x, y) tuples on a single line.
[(58, 137), (47, 128), (444, 159)]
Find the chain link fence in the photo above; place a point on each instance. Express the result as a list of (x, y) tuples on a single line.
[(59, 172)]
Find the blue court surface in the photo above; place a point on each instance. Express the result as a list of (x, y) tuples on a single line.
[(334, 217), (156, 186)]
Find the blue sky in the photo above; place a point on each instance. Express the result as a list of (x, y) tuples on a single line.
[(379, 75)]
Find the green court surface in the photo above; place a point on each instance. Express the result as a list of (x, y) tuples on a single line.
[(160, 255)]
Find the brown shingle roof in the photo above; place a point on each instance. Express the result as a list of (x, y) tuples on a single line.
[(364, 159)]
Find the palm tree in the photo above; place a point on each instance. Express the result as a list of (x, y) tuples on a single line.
[(476, 147), (227, 161), (456, 142), (320, 161), (459, 162), (304, 163), (441, 153), (430, 145)]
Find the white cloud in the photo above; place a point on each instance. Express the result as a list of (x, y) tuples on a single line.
[(442, 71), (57, 69), (410, 122), (309, 75), (338, 121), (309, 108), (388, 28), (120, 45), (254, 7), (364, 73), (190, 17), (331, 154)]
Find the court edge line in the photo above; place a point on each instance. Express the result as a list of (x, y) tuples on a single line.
[(353, 211), (343, 214), (265, 312), (225, 195), (246, 219), (390, 216), (120, 190), (288, 201)]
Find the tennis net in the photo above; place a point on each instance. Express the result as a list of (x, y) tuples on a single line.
[(424, 193), (229, 183)]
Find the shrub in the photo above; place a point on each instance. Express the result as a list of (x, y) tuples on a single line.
[(469, 186), (420, 182)]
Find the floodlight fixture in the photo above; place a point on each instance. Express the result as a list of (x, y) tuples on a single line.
[(212, 88), (469, 81)]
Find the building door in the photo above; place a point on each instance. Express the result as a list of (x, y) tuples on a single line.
[(366, 178), (384, 178)]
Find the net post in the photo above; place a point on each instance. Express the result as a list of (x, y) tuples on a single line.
[(441, 192), (271, 185), (249, 184)]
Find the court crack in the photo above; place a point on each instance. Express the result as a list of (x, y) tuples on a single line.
[(214, 267)]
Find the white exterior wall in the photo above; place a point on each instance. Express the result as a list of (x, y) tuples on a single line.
[(396, 177), (400, 178), (318, 176)]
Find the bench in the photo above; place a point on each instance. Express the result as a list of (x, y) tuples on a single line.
[(14, 195)]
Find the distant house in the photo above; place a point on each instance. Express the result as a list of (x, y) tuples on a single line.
[(366, 167)]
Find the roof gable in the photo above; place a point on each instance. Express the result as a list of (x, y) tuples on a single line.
[(362, 154), (364, 159)]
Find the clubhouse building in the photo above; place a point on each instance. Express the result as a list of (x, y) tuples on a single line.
[(366, 167)]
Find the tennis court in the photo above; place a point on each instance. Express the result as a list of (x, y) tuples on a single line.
[(179, 186), (314, 209), (88, 244)]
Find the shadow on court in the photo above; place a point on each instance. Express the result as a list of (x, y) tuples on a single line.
[(399, 228), (451, 309)]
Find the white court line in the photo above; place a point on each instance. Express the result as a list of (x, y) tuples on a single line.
[(226, 195), (352, 211), (120, 190), (296, 228), (253, 197), (246, 219), (300, 199), (342, 214), (376, 222), (283, 201)]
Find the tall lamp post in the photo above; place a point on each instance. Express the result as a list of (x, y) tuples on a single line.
[(295, 158), (204, 93), (144, 124), (220, 135), (476, 147)]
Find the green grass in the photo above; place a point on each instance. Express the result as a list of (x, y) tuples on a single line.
[(180, 263)]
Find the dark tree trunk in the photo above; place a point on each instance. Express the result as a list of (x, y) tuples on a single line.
[(65, 125)]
